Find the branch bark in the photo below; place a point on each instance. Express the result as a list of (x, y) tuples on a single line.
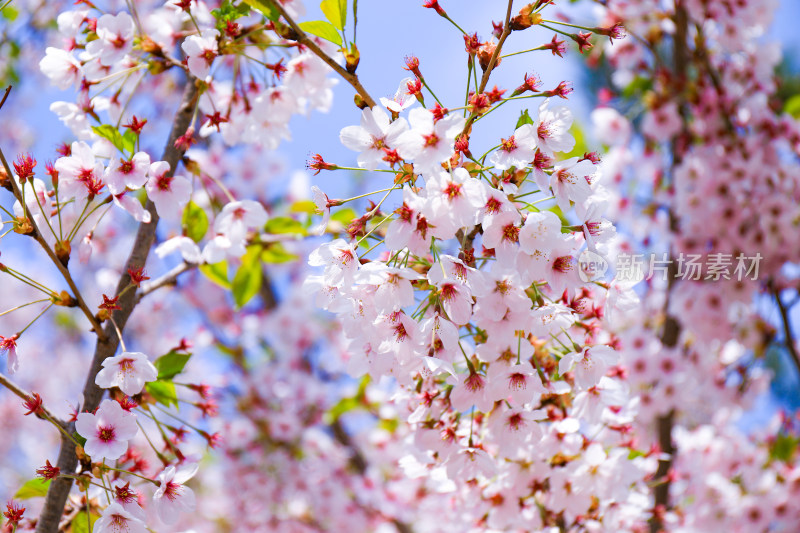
[(37, 235), (107, 346), (16, 389), (303, 39), (671, 331), (788, 335)]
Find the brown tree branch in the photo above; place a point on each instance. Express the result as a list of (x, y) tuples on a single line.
[(490, 66), (16, 389), (37, 235), (671, 331), (107, 347), (170, 278), (788, 335), (303, 39)]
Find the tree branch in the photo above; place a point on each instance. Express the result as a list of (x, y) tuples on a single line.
[(490, 66), (170, 278), (107, 347), (787, 325), (671, 332), (37, 235), (16, 389), (303, 39)]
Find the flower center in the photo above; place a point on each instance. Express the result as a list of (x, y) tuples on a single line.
[(431, 140), (452, 190), (564, 264), (474, 383), (105, 433), (508, 145), (517, 381)]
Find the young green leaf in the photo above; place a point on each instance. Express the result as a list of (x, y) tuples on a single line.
[(276, 253), (265, 8), (195, 222), (247, 281), (218, 273), (163, 391), (111, 134), (34, 488), (524, 118), (323, 29), (335, 11), (83, 524), (171, 364), (284, 225)]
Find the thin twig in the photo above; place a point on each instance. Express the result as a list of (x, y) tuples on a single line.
[(51, 254), (303, 39), (170, 278), (490, 66), (16, 389), (787, 325)]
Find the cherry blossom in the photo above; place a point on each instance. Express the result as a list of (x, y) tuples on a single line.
[(200, 52), (107, 431), (173, 496), (129, 371)]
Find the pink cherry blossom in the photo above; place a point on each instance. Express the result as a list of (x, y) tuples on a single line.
[(116, 519), (114, 38), (173, 496), (170, 194), (129, 371), (375, 134), (107, 431)]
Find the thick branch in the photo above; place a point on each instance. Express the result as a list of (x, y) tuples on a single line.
[(671, 332), (92, 394), (303, 39)]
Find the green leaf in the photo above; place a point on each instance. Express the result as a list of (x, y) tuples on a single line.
[(639, 85), (218, 273), (83, 524), (81, 440), (10, 13), (247, 281), (580, 142), (265, 8), (303, 206), (344, 216), (792, 106), (323, 29), (345, 405), (284, 225), (784, 447), (524, 118), (171, 364), (110, 133), (335, 11), (129, 141), (162, 391), (195, 222), (275, 253), (34, 488)]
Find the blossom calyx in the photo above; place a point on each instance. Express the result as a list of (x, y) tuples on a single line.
[(526, 18)]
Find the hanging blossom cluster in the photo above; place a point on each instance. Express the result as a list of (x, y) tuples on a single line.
[(470, 295), (720, 167)]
